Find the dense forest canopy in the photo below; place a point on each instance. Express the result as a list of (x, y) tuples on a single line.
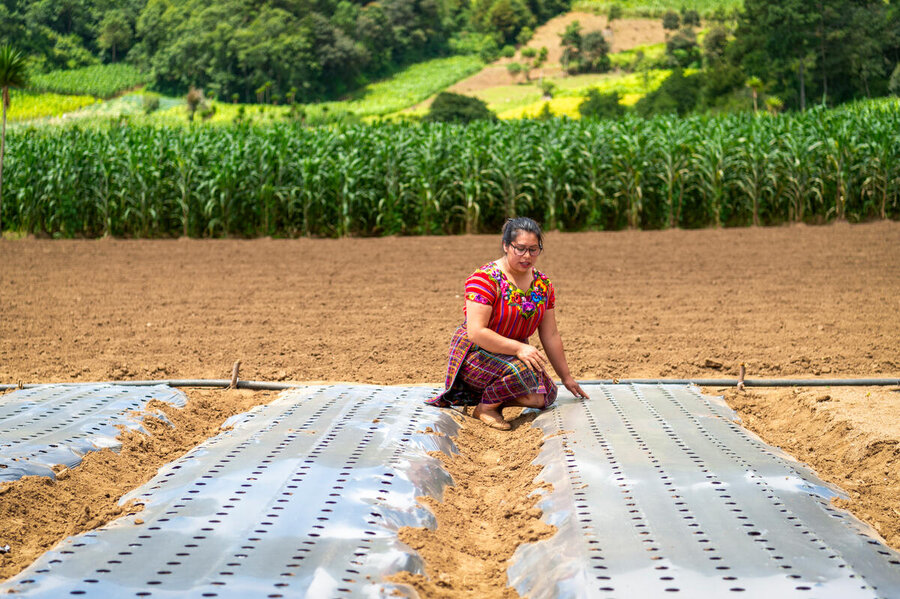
[(808, 51), (262, 49), (303, 48), (59, 34), (797, 52)]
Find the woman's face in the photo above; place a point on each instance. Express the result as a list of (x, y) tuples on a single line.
[(527, 244)]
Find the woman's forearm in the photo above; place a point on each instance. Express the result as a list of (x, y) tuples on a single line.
[(493, 341), (554, 348)]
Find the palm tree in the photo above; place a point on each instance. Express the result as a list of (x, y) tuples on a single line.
[(12, 74)]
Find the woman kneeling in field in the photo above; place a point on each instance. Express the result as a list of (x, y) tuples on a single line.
[(492, 365)]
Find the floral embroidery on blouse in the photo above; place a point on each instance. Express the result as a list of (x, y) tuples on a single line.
[(526, 301), (477, 297)]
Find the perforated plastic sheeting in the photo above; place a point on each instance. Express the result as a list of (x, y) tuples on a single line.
[(57, 424), (657, 492), (302, 497)]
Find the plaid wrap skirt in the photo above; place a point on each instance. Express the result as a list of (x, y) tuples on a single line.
[(475, 375)]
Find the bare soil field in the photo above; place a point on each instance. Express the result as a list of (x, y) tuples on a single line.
[(799, 301), (789, 302)]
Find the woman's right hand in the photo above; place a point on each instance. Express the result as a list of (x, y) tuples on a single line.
[(533, 357)]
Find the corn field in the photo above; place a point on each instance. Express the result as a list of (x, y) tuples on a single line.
[(101, 81), (286, 180)]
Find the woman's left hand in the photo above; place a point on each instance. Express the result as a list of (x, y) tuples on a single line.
[(575, 389)]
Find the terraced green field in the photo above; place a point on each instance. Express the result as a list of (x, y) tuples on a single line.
[(652, 8), (101, 81), (410, 86), (26, 105)]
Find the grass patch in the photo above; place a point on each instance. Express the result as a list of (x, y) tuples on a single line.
[(504, 98), (410, 86), (560, 106), (653, 53)]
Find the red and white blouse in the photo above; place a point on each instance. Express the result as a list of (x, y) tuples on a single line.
[(516, 313)]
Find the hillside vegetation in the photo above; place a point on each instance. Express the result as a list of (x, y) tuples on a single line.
[(270, 51), (298, 52), (27, 105), (655, 8)]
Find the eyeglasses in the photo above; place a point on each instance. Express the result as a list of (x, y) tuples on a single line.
[(520, 250)]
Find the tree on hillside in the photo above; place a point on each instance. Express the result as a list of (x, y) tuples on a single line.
[(506, 18), (714, 45), (588, 53), (524, 36), (571, 43), (601, 106), (457, 108), (13, 73), (515, 69), (834, 49), (677, 95), (535, 59), (614, 13), (671, 21), (115, 32), (866, 34), (323, 49), (682, 49), (779, 41), (755, 85), (594, 53), (690, 18), (60, 34)]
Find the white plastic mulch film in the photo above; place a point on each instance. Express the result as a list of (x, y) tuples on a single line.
[(301, 497), (57, 424), (657, 492)]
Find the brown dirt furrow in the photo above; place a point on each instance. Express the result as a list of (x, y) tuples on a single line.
[(37, 512), (850, 436), (483, 518)]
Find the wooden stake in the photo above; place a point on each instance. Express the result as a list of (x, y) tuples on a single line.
[(742, 372), (234, 375)]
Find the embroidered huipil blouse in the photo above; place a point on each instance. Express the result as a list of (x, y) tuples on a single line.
[(515, 313)]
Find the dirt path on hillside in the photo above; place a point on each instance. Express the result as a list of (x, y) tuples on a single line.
[(623, 35)]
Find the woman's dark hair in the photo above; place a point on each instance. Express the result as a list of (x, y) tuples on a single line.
[(513, 226)]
